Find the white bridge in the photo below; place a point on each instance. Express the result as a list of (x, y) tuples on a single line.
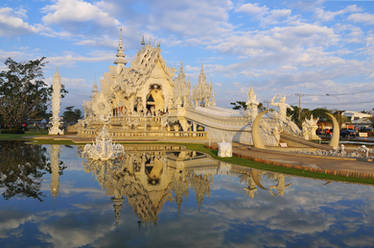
[(221, 123)]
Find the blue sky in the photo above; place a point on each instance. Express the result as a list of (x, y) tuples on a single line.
[(277, 47)]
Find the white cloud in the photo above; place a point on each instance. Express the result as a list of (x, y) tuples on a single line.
[(250, 8), (11, 220), (77, 11), (364, 18), (203, 19), (278, 13), (11, 23), (324, 15), (350, 33), (12, 54), (265, 15), (278, 41), (103, 41), (70, 58)]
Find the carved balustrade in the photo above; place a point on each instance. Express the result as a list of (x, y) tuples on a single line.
[(120, 133)]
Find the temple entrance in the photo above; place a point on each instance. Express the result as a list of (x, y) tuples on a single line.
[(155, 100)]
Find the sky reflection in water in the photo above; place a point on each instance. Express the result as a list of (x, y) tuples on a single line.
[(52, 197)]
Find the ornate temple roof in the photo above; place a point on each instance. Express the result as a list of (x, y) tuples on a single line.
[(141, 69)]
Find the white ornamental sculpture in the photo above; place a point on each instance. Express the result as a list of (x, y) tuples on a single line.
[(282, 105), (103, 149), (252, 105), (101, 107), (309, 129), (56, 101), (224, 149)]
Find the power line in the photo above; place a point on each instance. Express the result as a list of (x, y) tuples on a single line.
[(337, 103), (336, 94)]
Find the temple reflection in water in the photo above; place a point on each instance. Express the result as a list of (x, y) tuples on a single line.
[(150, 175)]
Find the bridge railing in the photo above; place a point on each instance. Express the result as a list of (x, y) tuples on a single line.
[(211, 120), (130, 119), (126, 134)]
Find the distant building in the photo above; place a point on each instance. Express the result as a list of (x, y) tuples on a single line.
[(354, 116)]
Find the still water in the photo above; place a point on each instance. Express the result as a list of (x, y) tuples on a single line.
[(156, 196)]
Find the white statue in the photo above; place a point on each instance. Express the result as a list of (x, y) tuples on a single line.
[(309, 128), (224, 149), (252, 104), (56, 101), (342, 150), (366, 150), (282, 105), (103, 149)]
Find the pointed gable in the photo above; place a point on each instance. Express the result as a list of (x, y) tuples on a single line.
[(147, 63)]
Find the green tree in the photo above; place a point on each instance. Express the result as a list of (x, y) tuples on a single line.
[(24, 95), (243, 105), (239, 105), (71, 116), (294, 113), (321, 114), (340, 117)]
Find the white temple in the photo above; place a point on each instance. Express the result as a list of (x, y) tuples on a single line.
[(149, 99)]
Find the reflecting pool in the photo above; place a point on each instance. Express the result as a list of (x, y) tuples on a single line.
[(166, 196)]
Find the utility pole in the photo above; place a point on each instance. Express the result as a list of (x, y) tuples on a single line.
[(299, 95)]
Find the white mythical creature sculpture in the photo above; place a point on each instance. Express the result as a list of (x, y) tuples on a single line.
[(103, 149), (224, 149), (309, 128)]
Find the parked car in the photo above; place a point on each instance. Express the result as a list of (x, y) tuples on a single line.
[(347, 133)]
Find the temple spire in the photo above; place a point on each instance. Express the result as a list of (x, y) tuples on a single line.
[(213, 99), (117, 206), (57, 74), (202, 77), (120, 56), (94, 89), (142, 42), (181, 72)]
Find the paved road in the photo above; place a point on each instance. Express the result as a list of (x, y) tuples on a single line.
[(305, 160)]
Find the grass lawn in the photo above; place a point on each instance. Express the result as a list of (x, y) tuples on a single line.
[(12, 137)]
